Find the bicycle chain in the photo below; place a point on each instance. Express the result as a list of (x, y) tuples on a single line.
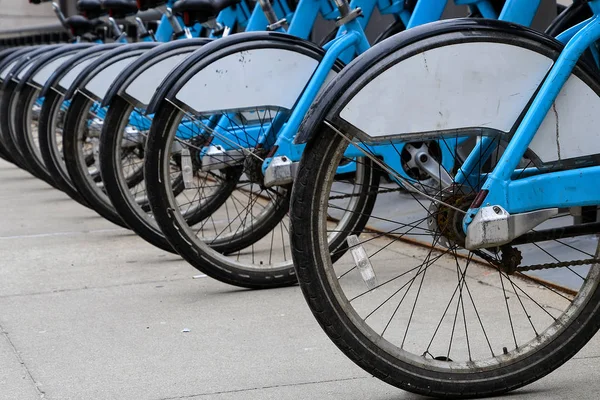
[(538, 267)]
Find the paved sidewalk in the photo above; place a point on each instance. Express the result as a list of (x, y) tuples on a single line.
[(89, 311)]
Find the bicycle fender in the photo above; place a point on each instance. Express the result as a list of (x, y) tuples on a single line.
[(93, 80), (25, 63), (210, 53), (44, 65), (11, 60), (138, 80), (64, 75), (7, 52), (408, 40)]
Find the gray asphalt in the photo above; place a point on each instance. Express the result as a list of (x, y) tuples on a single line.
[(90, 311)]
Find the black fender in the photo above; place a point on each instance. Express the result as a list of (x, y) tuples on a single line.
[(46, 63), (10, 60), (137, 68), (85, 80), (72, 65), (7, 52), (26, 60), (217, 49), (358, 67)]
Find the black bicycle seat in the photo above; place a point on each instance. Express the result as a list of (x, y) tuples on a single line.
[(144, 5), (80, 25), (39, 1), (201, 11), (91, 9), (120, 9)]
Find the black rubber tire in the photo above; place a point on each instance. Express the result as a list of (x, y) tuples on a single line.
[(163, 121), (110, 168), (174, 228), (367, 354), (4, 154), (7, 109), (340, 328), (23, 134), (569, 17), (50, 155), (76, 116)]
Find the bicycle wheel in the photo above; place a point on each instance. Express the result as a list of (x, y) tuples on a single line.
[(408, 303), (27, 131), (244, 242), (8, 111), (81, 134), (122, 152), (5, 55), (124, 133), (51, 126)]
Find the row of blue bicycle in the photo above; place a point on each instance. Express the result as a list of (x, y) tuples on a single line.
[(432, 192)]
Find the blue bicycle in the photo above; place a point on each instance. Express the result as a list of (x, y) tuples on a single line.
[(247, 127), (51, 77), (122, 144), (23, 75), (16, 135), (488, 281)]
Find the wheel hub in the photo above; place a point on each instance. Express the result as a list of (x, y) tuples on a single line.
[(253, 166), (417, 154), (446, 221)]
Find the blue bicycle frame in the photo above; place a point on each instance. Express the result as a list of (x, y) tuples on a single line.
[(302, 21), (230, 16), (538, 190), (351, 40)]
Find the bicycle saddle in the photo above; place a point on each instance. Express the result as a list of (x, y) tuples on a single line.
[(201, 11), (144, 5), (39, 1), (91, 9), (80, 25), (120, 9)]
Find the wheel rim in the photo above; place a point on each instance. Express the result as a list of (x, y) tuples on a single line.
[(249, 205), (432, 306)]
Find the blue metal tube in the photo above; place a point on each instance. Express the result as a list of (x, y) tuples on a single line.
[(543, 101), (352, 39)]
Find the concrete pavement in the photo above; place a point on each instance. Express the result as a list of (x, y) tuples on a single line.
[(90, 311)]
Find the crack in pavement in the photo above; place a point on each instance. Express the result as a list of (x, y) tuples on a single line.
[(8, 296), (264, 387), (585, 357), (67, 233), (40, 392)]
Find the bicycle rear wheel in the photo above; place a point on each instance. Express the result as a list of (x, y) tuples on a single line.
[(408, 303), (82, 127), (51, 127), (122, 154), (8, 110), (27, 131), (245, 240)]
